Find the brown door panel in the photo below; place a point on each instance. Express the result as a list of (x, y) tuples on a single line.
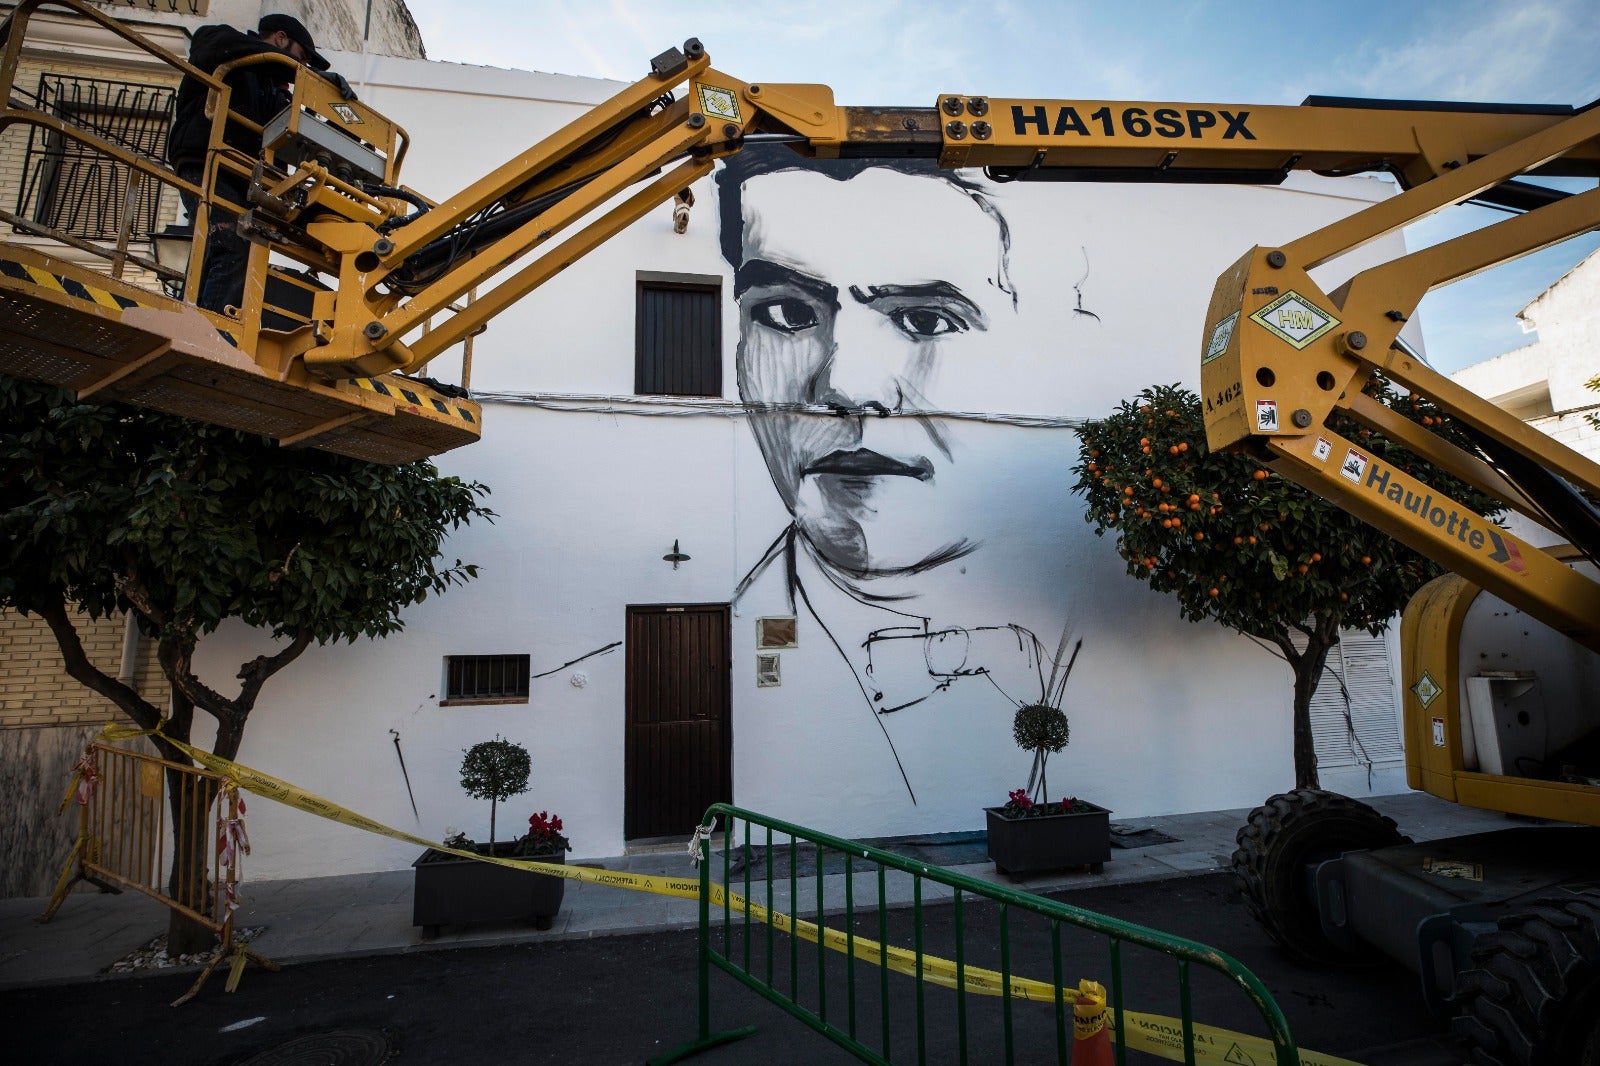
[(679, 740)]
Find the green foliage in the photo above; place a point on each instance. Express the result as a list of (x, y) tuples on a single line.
[(1039, 727), (199, 524), (1593, 417), (1235, 542), (495, 770)]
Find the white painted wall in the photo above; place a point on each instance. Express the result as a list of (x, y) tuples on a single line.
[(1166, 716), (1546, 383)]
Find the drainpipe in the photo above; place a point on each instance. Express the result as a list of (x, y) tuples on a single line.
[(130, 650)]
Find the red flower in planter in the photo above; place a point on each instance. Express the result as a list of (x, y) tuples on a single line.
[(544, 835), (1019, 804)]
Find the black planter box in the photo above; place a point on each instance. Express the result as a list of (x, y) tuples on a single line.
[(450, 890), (1050, 842)]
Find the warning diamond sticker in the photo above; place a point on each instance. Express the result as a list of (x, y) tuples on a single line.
[(1220, 337), (1426, 689), (1295, 319), (719, 103)]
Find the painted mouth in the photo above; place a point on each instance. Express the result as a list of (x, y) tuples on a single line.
[(866, 463)]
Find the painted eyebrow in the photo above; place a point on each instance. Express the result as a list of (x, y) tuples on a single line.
[(762, 272), (931, 290)]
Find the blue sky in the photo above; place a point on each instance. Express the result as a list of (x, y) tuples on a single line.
[(894, 52)]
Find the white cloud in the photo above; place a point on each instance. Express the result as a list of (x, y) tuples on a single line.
[(1530, 51)]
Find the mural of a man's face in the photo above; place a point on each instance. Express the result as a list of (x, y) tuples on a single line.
[(871, 296)]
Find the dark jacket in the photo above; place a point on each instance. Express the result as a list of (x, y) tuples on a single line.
[(258, 93)]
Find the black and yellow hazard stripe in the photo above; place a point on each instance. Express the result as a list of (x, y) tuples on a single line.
[(400, 389), (67, 286), (78, 289)]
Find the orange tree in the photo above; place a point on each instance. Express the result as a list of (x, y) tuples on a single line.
[(1234, 542), (104, 509)]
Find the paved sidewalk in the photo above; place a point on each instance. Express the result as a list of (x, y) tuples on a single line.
[(369, 914)]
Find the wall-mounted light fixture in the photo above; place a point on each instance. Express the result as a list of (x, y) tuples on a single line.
[(675, 556), (680, 210), (171, 249)]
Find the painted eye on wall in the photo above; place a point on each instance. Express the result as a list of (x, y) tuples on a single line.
[(787, 315), (926, 322)]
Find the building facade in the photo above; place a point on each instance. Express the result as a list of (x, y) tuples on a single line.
[(784, 516), (1547, 383)]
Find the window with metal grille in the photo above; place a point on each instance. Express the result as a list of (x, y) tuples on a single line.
[(68, 186), (678, 349), (485, 679)]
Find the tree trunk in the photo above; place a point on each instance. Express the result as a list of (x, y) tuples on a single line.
[(187, 879), (189, 802), (191, 880), (1308, 665)]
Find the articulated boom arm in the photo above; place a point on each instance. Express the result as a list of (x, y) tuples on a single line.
[(317, 361), (1281, 357), (654, 144)]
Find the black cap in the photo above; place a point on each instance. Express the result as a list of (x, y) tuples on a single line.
[(297, 33)]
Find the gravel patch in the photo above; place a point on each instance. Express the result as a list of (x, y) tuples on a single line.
[(153, 955)]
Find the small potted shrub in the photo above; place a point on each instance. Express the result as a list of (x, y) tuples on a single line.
[(1030, 832), (455, 890)]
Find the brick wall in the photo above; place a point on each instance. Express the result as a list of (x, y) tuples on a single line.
[(35, 690), (46, 718)]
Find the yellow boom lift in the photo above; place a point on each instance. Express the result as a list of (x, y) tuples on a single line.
[(1500, 657)]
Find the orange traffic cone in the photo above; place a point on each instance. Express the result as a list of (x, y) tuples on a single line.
[(1091, 1042)]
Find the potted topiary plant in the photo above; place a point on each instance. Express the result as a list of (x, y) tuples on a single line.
[(1032, 833), (451, 889)]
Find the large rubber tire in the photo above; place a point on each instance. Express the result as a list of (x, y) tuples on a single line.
[(1533, 995), (1285, 836)]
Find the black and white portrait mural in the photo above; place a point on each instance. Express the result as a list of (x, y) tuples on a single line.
[(874, 310)]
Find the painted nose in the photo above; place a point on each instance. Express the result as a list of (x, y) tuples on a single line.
[(865, 372)]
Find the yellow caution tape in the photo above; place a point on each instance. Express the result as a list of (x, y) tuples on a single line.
[(236, 969), (1152, 1033), (1089, 1013)]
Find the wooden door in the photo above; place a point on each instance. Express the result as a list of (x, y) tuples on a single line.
[(679, 749)]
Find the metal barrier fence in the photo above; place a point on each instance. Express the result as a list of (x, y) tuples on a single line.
[(125, 836), (876, 932)]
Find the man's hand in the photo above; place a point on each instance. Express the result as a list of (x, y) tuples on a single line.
[(339, 83)]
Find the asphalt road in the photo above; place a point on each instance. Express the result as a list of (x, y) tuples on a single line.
[(624, 999)]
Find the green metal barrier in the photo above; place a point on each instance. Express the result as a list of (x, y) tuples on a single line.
[(748, 932)]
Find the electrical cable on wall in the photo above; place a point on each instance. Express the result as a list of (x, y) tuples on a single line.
[(660, 407)]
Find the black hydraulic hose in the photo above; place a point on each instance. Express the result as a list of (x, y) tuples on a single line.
[(1568, 511), (438, 254), (396, 193), (423, 264)]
